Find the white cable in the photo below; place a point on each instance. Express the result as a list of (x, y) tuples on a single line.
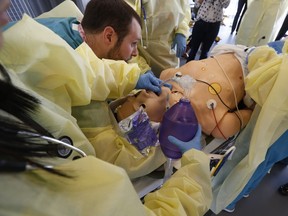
[(234, 93), (83, 154)]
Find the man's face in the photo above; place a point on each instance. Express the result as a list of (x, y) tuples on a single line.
[(4, 4), (128, 47)]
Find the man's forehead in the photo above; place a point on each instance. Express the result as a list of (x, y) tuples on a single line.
[(135, 29)]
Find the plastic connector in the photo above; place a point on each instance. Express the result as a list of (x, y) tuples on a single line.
[(211, 104)]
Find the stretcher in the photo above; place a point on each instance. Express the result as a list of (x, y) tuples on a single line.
[(219, 150)]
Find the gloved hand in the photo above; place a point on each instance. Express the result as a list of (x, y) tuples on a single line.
[(168, 85), (150, 82), (180, 41), (185, 146)]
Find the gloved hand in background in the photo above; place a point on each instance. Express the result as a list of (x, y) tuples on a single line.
[(150, 82), (180, 41), (185, 146)]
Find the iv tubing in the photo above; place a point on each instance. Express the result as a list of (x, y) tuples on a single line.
[(168, 169)]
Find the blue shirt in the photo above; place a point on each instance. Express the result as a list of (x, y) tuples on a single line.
[(66, 28)]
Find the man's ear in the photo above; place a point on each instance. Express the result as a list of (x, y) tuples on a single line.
[(109, 35)]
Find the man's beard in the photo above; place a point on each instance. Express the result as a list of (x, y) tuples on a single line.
[(114, 53)]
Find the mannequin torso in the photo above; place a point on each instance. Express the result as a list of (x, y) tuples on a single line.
[(219, 81)]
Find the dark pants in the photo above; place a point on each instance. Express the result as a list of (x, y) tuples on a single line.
[(237, 21), (283, 29), (203, 33)]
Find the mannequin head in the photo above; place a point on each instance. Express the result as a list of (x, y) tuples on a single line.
[(155, 105)]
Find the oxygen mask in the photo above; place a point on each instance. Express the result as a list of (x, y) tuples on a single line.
[(186, 82)]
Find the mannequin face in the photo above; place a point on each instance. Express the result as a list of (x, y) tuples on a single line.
[(155, 105)]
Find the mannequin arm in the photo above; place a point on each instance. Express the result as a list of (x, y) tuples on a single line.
[(230, 123)]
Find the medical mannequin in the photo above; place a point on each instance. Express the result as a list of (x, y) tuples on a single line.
[(164, 25), (213, 76), (202, 96), (266, 84)]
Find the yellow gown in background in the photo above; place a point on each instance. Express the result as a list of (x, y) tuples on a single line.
[(266, 83), (163, 20), (261, 22)]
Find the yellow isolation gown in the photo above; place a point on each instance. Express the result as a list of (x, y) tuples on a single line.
[(99, 188), (163, 20)]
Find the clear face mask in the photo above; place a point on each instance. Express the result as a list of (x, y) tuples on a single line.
[(186, 82)]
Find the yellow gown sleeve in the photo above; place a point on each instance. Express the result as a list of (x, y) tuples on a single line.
[(187, 192), (183, 27), (110, 78), (57, 121), (99, 188), (263, 64), (65, 9)]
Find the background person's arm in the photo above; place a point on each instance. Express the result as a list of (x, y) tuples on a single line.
[(183, 26)]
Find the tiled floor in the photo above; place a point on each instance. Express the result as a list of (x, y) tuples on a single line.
[(264, 199)]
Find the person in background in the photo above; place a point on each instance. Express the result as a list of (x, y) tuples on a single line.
[(165, 29), (206, 27), (261, 22), (78, 187), (241, 9)]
